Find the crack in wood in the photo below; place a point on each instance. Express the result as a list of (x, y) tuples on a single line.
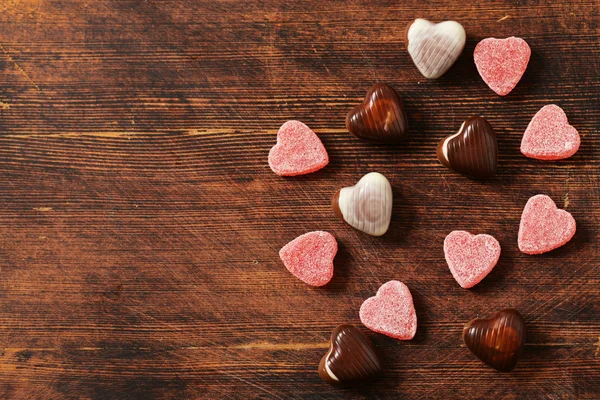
[(18, 67)]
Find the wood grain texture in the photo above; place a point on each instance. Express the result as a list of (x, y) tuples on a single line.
[(140, 223)]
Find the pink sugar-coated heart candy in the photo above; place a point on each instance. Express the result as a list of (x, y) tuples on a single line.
[(298, 151), (391, 312), (549, 135), (470, 257), (310, 257), (502, 62), (543, 226)]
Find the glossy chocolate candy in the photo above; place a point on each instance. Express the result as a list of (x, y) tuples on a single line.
[(351, 357), (366, 206), (497, 341), (472, 151), (434, 47), (380, 117)]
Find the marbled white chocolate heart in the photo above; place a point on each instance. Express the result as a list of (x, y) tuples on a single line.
[(351, 357), (366, 206), (434, 47), (473, 151), (497, 341), (380, 117)]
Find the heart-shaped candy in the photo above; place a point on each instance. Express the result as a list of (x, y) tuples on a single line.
[(310, 257), (543, 226), (391, 312), (351, 357), (502, 62), (298, 151), (473, 151), (380, 117), (549, 135), (366, 206), (470, 257), (434, 47), (497, 341)]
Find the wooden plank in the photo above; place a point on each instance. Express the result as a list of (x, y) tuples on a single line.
[(140, 223)]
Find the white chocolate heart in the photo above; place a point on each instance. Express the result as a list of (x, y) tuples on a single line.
[(435, 47), (366, 206)]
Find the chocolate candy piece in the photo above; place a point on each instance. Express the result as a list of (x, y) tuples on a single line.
[(497, 341), (434, 47), (366, 206), (380, 117), (473, 151), (351, 357)]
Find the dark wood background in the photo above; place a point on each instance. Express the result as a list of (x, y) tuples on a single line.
[(140, 222)]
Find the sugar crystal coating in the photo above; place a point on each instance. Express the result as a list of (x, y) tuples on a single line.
[(543, 226), (549, 136), (472, 151), (310, 257), (470, 257), (502, 62), (391, 312), (298, 151)]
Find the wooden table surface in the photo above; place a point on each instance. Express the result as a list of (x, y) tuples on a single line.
[(140, 223)]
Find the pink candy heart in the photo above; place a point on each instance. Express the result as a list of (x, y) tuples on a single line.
[(298, 151), (310, 257), (549, 135), (391, 312), (502, 62), (543, 226), (469, 257)]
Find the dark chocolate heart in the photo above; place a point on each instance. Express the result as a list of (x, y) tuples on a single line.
[(497, 341), (380, 117), (473, 151), (351, 357)]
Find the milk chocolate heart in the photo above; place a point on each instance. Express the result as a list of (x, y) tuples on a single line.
[(380, 117), (434, 47), (473, 151), (366, 206), (351, 357), (497, 341)]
